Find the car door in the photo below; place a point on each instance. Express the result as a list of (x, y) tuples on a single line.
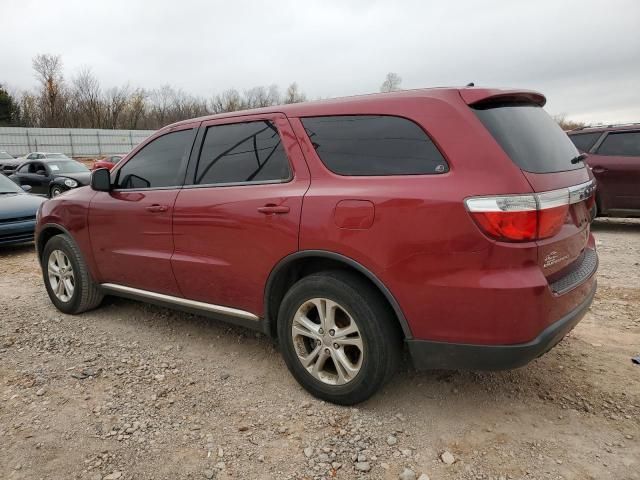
[(35, 174), (239, 211), (130, 226), (616, 165)]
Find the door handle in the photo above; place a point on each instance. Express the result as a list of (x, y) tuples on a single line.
[(155, 208), (271, 209), (599, 169)]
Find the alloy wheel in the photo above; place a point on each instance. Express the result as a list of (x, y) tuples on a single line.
[(327, 341), (61, 276)]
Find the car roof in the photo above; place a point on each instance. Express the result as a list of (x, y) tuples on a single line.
[(623, 127), (335, 106)]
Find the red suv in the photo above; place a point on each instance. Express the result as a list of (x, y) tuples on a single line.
[(614, 155), (455, 221)]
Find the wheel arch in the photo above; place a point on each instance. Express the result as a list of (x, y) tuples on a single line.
[(47, 232), (300, 264)]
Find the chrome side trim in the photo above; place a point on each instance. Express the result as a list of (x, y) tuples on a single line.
[(184, 302)]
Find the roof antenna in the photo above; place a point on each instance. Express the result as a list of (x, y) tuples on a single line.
[(471, 84)]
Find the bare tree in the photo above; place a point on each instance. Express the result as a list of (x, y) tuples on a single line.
[(87, 95), (228, 101), (391, 83), (294, 95), (48, 70), (116, 102), (136, 108), (566, 124)]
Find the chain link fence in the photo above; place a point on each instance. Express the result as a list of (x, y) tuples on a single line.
[(74, 142)]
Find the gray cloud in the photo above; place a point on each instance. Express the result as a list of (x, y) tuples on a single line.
[(583, 55)]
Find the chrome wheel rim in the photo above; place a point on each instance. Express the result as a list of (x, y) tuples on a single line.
[(61, 277), (327, 341)]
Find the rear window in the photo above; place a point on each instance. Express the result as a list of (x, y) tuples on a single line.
[(373, 145), (584, 141), (625, 144), (531, 138)]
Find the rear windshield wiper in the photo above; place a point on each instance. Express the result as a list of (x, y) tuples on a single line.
[(580, 158)]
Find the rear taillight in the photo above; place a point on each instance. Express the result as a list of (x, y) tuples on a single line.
[(522, 218)]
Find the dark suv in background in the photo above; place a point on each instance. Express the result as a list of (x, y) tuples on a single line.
[(614, 157), (454, 220)]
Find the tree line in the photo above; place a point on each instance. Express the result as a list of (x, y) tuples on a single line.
[(82, 102)]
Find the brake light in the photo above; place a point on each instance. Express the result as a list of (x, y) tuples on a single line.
[(522, 218)]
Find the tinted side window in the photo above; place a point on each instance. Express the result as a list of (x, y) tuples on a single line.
[(584, 141), (240, 153), (373, 145), (158, 164), (24, 168), (625, 144)]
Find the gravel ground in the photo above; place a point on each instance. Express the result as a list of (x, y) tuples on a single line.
[(132, 391)]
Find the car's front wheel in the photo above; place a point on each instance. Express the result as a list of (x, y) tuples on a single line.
[(55, 191), (66, 277), (338, 337)]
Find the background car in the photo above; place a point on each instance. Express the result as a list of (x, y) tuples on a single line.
[(52, 177), (17, 212), (43, 156), (614, 157), (107, 162), (7, 163)]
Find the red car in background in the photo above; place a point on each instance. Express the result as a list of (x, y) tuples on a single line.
[(455, 221), (614, 157), (107, 162)]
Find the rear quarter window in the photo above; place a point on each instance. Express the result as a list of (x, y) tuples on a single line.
[(373, 145), (624, 144), (584, 141), (530, 137)]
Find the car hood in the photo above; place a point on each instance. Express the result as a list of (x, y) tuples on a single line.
[(11, 161), (83, 178), (15, 205)]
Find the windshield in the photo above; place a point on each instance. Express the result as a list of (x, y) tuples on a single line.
[(58, 155), (7, 186), (532, 139), (69, 166), (5, 156)]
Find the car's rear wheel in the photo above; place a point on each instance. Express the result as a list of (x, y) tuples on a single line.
[(66, 277), (338, 337), (55, 191)]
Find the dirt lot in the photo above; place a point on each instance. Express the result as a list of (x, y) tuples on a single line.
[(134, 391)]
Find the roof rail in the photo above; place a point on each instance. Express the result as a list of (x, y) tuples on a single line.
[(603, 125)]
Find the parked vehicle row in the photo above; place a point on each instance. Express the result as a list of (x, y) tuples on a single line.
[(614, 156), (455, 221)]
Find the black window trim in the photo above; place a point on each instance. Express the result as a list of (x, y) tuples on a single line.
[(181, 172), (189, 182), (354, 114), (598, 144)]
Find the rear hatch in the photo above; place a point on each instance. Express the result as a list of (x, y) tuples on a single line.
[(547, 158)]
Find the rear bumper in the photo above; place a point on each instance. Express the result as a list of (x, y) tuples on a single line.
[(441, 355)]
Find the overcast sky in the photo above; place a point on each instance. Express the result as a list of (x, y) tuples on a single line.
[(583, 55)]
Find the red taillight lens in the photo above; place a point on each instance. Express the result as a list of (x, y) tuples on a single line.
[(550, 220), (509, 226)]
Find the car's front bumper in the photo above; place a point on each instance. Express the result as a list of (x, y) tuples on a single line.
[(441, 355)]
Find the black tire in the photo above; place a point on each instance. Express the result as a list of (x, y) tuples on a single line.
[(86, 293), (375, 320), (56, 190)]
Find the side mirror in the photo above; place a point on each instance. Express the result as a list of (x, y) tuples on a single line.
[(26, 188), (101, 180)]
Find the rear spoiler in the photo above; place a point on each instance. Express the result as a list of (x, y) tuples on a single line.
[(482, 97)]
